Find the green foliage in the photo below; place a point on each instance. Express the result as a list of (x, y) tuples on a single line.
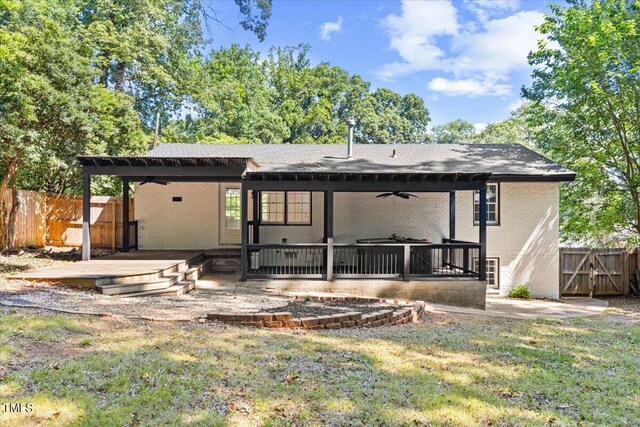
[(456, 132), (521, 292), (587, 114), (514, 129), (86, 77), (285, 99)]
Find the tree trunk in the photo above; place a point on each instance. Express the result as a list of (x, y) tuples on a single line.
[(7, 227), (120, 76), (13, 213)]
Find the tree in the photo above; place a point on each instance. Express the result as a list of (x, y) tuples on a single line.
[(286, 99), (587, 105), (514, 129), (456, 132), (77, 76)]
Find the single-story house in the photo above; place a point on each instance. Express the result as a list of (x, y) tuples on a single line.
[(446, 216)]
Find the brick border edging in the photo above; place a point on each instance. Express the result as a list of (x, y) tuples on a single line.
[(354, 319)]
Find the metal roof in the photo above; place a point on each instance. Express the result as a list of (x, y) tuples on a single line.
[(502, 161)]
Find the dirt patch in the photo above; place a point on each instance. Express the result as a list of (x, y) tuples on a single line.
[(327, 308)]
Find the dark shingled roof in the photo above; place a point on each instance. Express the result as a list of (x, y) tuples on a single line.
[(503, 161)]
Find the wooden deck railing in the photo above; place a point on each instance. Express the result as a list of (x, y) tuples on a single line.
[(400, 261)]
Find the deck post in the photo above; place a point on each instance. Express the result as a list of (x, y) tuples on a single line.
[(328, 233), (244, 232), (125, 215), (482, 258), (406, 262), (255, 221), (452, 215), (86, 217)]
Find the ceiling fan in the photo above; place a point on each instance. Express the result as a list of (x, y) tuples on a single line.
[(397, 194), (152, 180)]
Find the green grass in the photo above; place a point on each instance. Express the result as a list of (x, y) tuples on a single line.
[(452, 370)]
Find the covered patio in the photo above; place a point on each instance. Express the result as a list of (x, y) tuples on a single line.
[(383, 259)]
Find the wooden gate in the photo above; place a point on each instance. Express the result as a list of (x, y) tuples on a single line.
[(601, 271)]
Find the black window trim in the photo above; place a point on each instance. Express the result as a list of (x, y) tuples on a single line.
[(286, 210), (498, 208)]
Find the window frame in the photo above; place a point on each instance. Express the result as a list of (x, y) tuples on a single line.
[(497, 269), (498, 202), (286, 210)]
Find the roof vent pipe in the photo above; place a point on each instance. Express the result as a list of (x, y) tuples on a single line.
[(352, 124)]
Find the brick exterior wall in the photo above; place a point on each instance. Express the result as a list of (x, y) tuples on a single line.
[(189, 224), (526, 241)]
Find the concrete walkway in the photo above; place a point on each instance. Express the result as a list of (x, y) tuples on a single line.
[(530, 309)]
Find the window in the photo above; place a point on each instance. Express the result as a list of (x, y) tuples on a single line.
[(232, 209), (285, 208), (493, 270), (298, 207), (493, 205)]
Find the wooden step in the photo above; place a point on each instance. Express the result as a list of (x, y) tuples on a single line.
[(125, 288), (178, 289)]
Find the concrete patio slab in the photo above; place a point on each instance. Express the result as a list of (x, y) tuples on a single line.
[(530, 309)]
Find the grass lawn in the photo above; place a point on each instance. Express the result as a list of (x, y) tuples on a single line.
[(451, 370)]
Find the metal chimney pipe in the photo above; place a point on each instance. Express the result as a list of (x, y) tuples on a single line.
[(352, 124)]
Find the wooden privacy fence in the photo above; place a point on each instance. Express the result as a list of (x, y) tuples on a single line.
[(598, 272), (46, 219)]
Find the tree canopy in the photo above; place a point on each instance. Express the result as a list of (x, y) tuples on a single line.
[(284, 99), (587, 111)]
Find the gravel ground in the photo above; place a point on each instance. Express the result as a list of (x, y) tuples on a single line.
[(194, 304)]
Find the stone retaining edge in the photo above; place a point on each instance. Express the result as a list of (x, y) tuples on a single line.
[(353, 319)]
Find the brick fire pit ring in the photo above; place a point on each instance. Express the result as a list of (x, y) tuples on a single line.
[(403, 313)]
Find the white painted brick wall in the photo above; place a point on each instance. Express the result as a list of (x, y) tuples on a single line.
[(526, 241), (190, 224)]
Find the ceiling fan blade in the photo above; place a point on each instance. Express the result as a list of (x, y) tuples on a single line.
[(144, 182), (384, 195), (411, 195), (403, 195)]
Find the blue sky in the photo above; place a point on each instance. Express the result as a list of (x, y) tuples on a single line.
[(466, 58)]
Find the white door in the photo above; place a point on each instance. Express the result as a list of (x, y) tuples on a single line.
[(230, 214)]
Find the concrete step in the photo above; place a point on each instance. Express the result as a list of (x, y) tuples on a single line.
[(198, 270), (225, 268), (125, 288), (223, 253), (178, 289), (216, 262)]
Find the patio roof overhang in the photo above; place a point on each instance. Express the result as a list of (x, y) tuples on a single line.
[(169, 168), (365, 181)]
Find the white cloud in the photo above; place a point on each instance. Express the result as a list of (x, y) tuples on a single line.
[(479, 53), (413, 34), (468, 87), (479, 127), (328, 28), (484, 9), (502, 45)]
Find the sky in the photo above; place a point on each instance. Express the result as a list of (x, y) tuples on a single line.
[(466, 58)]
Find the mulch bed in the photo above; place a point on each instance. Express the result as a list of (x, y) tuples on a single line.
[(314, 308)]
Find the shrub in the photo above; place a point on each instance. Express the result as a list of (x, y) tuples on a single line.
[(520, 291)]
